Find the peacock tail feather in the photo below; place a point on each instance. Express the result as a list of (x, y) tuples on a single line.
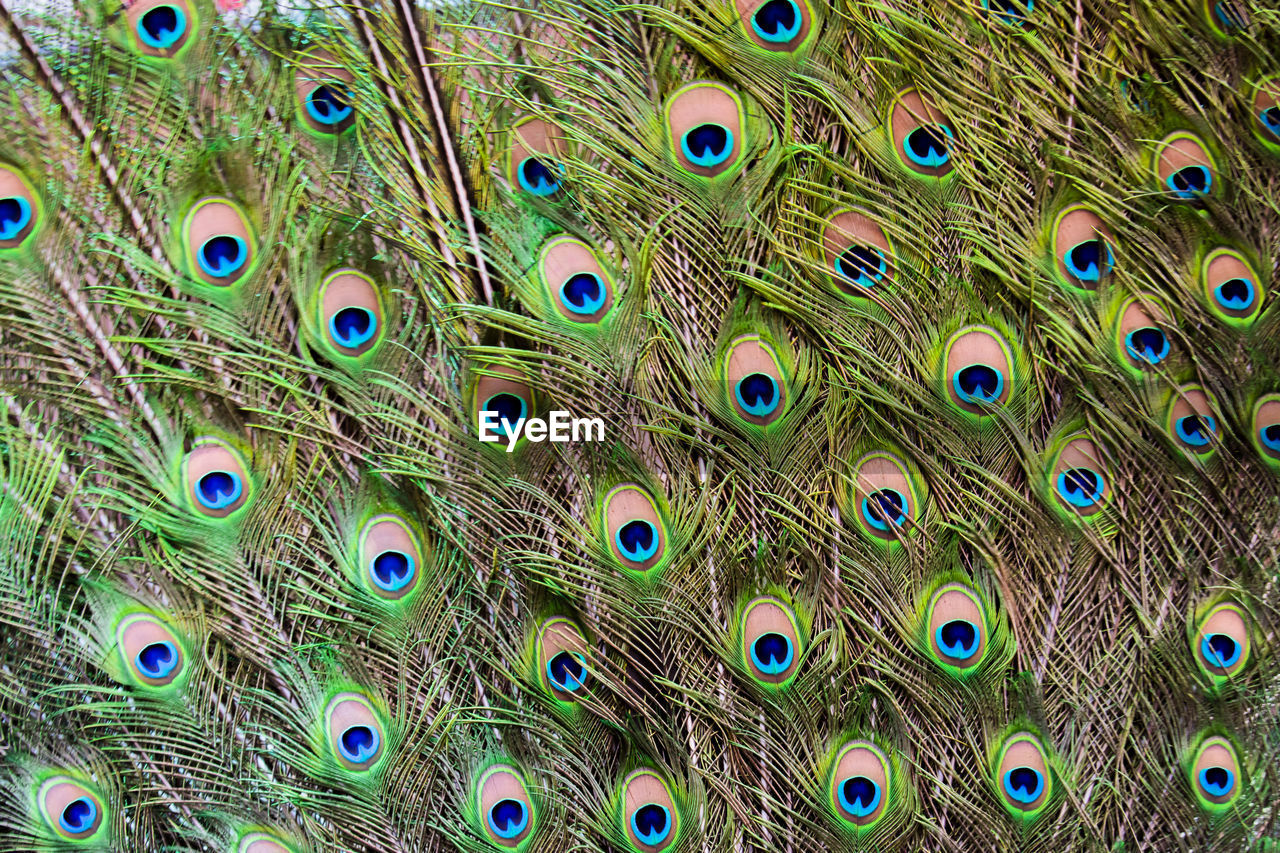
[(918, 367)]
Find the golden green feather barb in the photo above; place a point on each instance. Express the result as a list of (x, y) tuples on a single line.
[(918, 369)]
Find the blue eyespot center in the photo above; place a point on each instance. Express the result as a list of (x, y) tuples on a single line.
[(637, 540), (162, 27), (1220, 650), (352, 326), (1081, 487), (757, 394), (15, 215), (958, 639), (157, 660), (1270, 118), (78, 816), (927, 145), (1090, 260), (218, 489), (1270, 436), (392, 570), (884, 508), (508, 408), (328, 105), (567, 671), (223, 255), (707, 145), (1217, 781), (651, 823), (865, 266), (1196, 430), (1190, 181), (359, 744), (583, 293), (508, 818), (859, 796), (536, 177), (1012, 12), (772, 653), (1234, 294), (777, 21), (1024, 784), (1228, 15), (1147, 344), (978, 384)]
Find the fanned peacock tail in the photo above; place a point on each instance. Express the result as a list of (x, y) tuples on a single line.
[(931, 497)]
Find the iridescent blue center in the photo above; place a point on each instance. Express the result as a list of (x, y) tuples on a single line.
[(567, 671), (359, 744), (536, 177), (161, 27), (1220, 650), (15, 215), (958, 639), (508, 408), (392, 570), (218, 489), (757, 394), (1270, 118), (1234, 294), (865, 266), (651, 823), (157, 660), (1270, 436), (1147, 344), (583, 293), (927, 145), (707, 145), (352, 326), (78, 816), (772, 653), (329, 106), (1024, 784), (884, 508), (1090, 260), (1217, 781), (1081, 487), (1196, 430), (859, 796), (978, 383), (637, 540), (1190, 181), (508, 818), (223, 255), (777, 21)]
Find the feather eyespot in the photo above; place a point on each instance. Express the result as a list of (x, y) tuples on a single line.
[(218, 242), (322, 90), (502, 402), (1083, 247), (390, 557), (1191, 421), (1266, 111), (771, 642), (858, 254), (634, 530), (503, 802), (562, 659), (1022, 775), (351, 312), (956, 627), (885, 498), (755, 382), (1079, 478), (1230, 287), (707, 128), (1266, 428), (216, 484), (1226, 17), (535, 145), (1011, 12), (576, 282), (150, 651), (1141, 341), (72, 810), (1184, 168), (1221, 641), (776, 25), (355, 733), (19, 209), (161, 28), (650, 819), (260, 842), (978, 370), (1215, 774), (921, 134), (859, 786)]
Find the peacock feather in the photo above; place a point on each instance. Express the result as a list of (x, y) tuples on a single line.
[(769, 425)]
